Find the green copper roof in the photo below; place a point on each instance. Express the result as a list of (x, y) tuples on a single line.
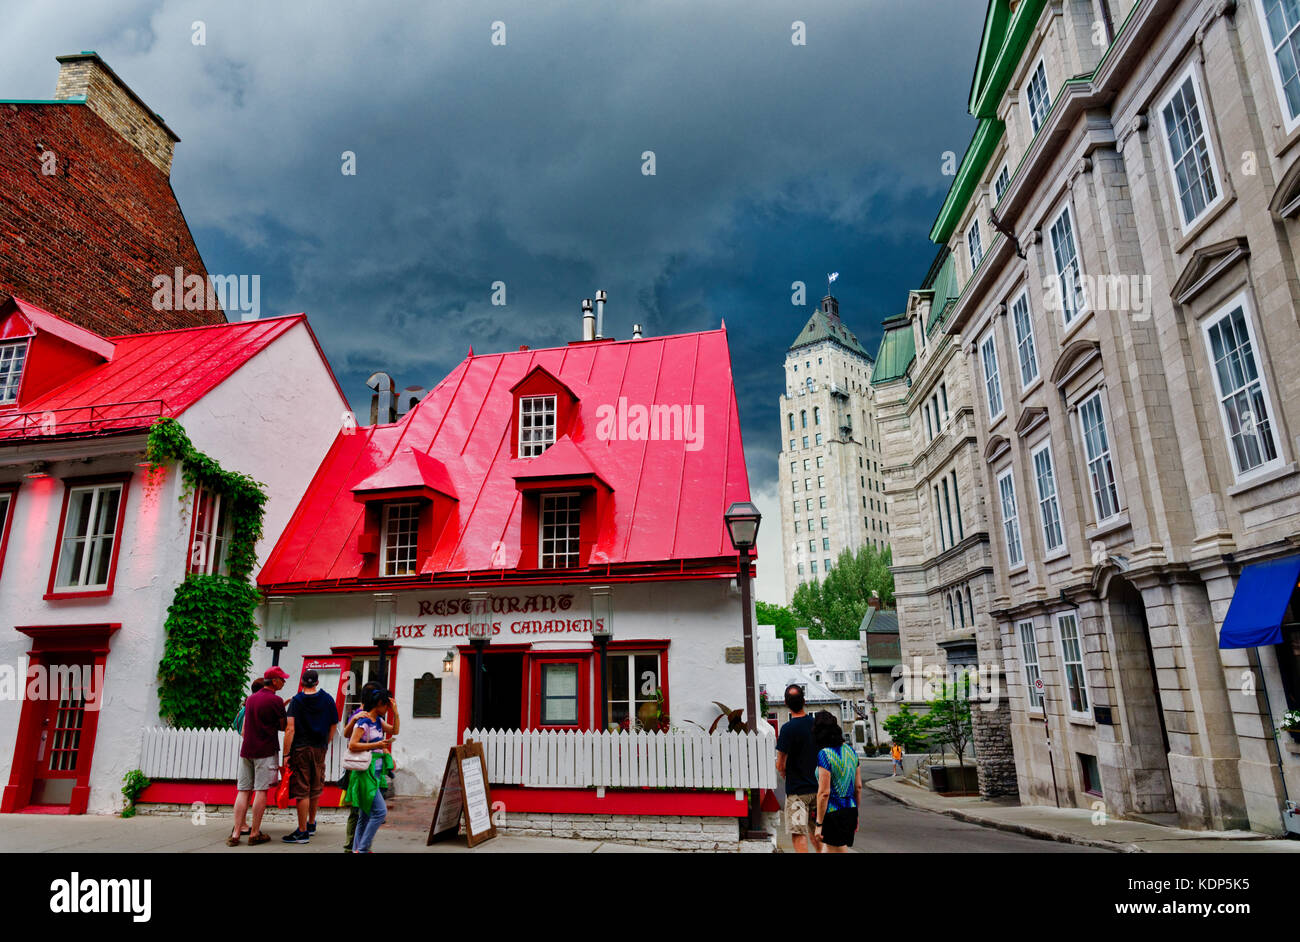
[(897, 351), (946, 292), (987, 134), (826, 325)]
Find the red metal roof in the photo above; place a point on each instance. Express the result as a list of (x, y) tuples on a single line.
[(668, 496), (149, 375)]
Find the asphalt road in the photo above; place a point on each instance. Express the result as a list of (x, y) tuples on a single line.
[(886, 826)]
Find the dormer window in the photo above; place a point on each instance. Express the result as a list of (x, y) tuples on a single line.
[(12, 357), (398, 541), (559, 539), (536, 425)]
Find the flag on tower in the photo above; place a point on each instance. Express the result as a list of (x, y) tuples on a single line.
[(832, 276)]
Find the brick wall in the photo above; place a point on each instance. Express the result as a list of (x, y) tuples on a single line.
[(86, 241)]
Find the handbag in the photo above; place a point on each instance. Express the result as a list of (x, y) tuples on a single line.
[(357, 761), (282, 791)]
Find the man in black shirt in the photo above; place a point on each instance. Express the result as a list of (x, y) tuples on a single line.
[(312, 719), (796, 762)]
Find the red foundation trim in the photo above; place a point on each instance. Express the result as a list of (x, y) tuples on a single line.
[(584, 801), (214, 793)]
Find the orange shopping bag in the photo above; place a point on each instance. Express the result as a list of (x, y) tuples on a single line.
[(282, 790)]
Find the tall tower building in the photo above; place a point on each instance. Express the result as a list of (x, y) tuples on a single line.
[(831, 493)]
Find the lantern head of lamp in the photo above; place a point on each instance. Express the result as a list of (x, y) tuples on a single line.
[(385, 629), (742, 524), (449, 662), (277, 620), (602, 612), (480, 623)]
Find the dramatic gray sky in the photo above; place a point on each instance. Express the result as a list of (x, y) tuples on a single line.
[(522, 163)]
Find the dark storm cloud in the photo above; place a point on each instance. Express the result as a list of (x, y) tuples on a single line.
[(522, 163)]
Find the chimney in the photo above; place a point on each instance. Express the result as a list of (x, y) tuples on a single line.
[(874, 601), (410, 398), (801, 654), (601, 297), (87, 76), (636, 331), (588, 321), (383, 404)]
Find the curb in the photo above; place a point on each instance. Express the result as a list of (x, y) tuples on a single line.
[(1029, 830)]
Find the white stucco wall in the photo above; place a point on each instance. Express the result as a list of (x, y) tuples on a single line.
[(274, 419), (699, 620)]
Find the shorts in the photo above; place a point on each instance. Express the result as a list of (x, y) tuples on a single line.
[(256, 775), (799, 811), (307, 763), (839, 827)]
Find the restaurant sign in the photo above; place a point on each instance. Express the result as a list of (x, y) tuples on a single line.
[(535, 615)]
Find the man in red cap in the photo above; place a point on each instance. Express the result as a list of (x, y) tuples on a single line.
[(264, 717)]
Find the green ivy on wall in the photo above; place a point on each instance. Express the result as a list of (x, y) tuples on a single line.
[(210, 624)]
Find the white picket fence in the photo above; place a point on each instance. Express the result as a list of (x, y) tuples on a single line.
[(596, 759), (207, 754)]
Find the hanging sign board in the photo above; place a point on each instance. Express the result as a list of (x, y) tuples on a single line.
[(464, 795)]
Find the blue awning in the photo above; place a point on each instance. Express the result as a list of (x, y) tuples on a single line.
[(1259, 604)]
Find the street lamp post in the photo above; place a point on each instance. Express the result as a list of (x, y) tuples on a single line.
[(278, 617), (602, 631), (742, 520), (480, 634), (384, 632)]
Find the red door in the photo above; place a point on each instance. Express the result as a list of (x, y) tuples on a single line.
[(59, 750)]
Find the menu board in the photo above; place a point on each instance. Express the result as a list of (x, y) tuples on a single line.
[(464, 795)]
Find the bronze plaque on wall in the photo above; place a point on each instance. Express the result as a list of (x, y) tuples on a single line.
[(426, 699), (736, 655)]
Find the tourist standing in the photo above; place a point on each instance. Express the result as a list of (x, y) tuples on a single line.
[(264, 717), (839, 785), (796, 762), (312, 721), (370, 733)]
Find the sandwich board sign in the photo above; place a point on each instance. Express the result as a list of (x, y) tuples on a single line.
[(464, 795)]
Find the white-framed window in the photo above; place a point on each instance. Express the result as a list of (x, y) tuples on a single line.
[(1280, 20), (1010, 518), (974, 245), (633, 682), (1096, 447), (1191, 159), (1037, 97), (560, 535), (1024, 340), (1076, 680), (992, 381), (12, 357), (89, 533), (536, 425), (1049, 505), (559, 693), (1243, 393), (212, 526), (398, 540), (1065, 256), (821, 461), (1001, 183), (1029, 656)]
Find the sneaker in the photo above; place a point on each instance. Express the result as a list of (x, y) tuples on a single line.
[(296, 837), (311, 827)]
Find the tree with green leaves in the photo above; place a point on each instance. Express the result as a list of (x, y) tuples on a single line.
[(834, 607), (907, 729), (949, 722), (780, 616)]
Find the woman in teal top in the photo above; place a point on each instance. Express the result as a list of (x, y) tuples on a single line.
[(839, 785)]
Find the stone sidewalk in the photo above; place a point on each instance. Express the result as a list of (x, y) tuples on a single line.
[(1075, 825)]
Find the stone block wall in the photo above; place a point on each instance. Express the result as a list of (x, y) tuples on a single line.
[(673, 832), (996, 759)]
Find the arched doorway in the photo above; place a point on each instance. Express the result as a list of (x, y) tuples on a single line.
[(1142, 726)]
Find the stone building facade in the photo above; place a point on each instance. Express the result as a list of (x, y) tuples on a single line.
[(832, 498), (1125, 232), (942, 563)]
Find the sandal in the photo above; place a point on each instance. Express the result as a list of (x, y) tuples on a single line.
[(260, 839)]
